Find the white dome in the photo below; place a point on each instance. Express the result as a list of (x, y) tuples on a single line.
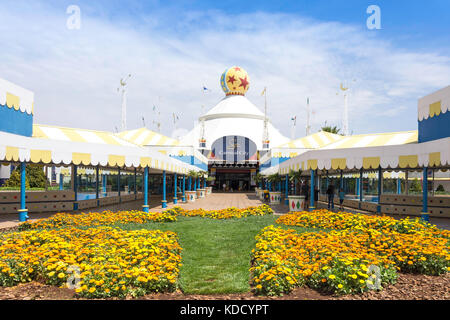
[(234, 116)]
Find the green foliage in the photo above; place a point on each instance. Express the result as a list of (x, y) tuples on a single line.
[(440, 188), (295, 175), (274, 178), (330, 129), (415, 186), (35, 177)]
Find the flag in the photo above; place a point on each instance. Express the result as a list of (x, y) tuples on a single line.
[(294, 118), (205, 89), (264, 91), (154, 107)]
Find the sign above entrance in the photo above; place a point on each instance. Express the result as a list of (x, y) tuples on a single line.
[(233, 149)]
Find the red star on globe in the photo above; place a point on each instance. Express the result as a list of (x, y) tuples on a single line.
[(244, 82), (237, 69), (231, 79)]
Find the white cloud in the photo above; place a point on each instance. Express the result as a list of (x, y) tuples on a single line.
[(75, 74)]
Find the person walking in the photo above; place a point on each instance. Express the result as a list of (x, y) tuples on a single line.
[(341, 199), (330, 194)]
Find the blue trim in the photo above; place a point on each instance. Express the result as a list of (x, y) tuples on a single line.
[(184, 188), (15, 121), (175, 199), (164, 201), (425, 215), (146, 190), (311, 197), (434, 128), (23, 214)]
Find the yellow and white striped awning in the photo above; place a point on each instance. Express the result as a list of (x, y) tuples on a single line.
[(434, 153), (77, 135), (313, 141), (16, 148), (374, 140), (16, 97), (145, 137), (434, 104)]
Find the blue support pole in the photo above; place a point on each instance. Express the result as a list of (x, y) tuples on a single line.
[(190, 183), (380, 183), (118, 184), (357, 186), (360, 187), (311, 197), (175, 181), (104, 182), (195, 184), (61, 181), (23, 211), (270, 186), (399, 186), (145, 207), (286, 186), (75, 186), (135, 183), (164, 201), (184, 189), (97, 182), (425, 214), (341, 181)]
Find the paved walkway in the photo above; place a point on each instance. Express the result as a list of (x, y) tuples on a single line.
[(211, 202)]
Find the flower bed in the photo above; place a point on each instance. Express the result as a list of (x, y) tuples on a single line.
[(364, 254), (228, 213), (325, 219), (94, 219), (110, 262)]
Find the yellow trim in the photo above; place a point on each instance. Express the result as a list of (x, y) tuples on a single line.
[(371, 162), (408, 161), (312, 164), (435, 109), (163, 151), (146, 162), (434, 159), (12, 101), (37, 156), (339, 163), (12, 154), (81, 158), (115, 160)]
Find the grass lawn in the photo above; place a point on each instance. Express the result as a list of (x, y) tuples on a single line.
[(216, 253)]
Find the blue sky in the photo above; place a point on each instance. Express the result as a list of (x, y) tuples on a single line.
[(173, 48)]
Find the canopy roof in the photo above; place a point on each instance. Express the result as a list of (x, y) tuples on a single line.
[(37, 150), (313, 141), (411, 155), (146, 137), (13, 96), (77, 135)]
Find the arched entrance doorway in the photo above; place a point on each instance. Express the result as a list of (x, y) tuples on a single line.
[(233, 161)]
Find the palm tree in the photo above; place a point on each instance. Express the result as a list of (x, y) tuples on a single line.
[(295, 176), (330, 129), (274, 178)]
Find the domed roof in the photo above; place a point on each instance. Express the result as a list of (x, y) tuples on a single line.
[(234, 107), (235, 81)]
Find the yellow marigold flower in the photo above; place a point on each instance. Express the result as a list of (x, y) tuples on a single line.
[(332, 276), (61, 275)]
